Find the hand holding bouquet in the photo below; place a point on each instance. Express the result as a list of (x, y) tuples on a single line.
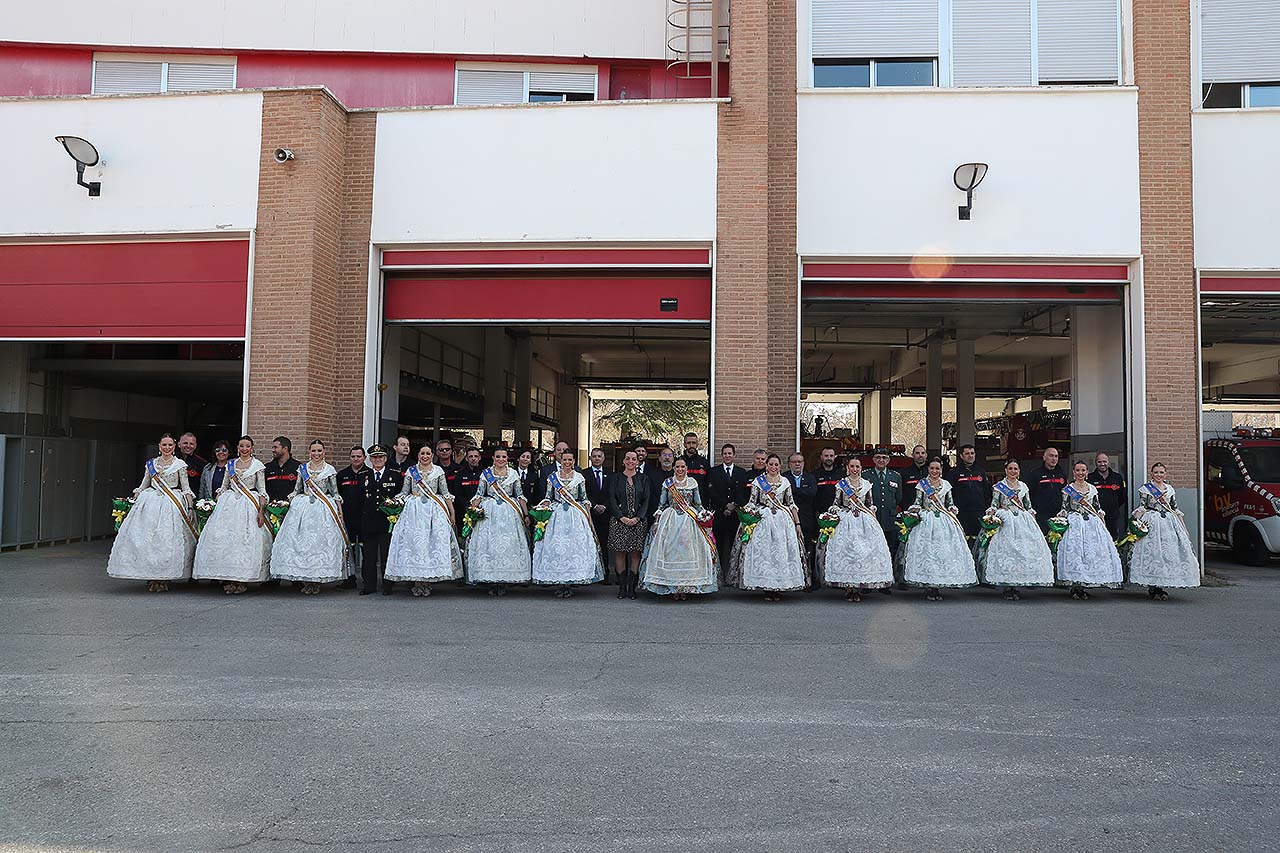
[(470, 518), (827, 523), (120, 508), (540, 514), (275, 515), (204, 509)]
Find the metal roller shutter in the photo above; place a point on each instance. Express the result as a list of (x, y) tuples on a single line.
[(1079, 40), (874, 29), (1240, 41), (196, 77), (991, 42), (563, 81), (118, 78), (490, 87)]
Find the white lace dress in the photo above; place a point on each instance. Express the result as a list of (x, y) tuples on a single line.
[(311, 546), (497, 551), (1017, 555), (424, 547), (568, 552), (232, 545), (774, 559), (1164, 557), (856, 556), (937, 554), (677, 556), (1086, 555), (155, 543)]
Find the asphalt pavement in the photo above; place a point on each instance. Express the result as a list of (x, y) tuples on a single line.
[(462, 722)]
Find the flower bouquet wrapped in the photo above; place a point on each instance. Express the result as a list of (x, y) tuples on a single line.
[(1137, 529), (748, 520), (120, 508), (906, 522), (990, 524), (706, 518), (204, 509), (540, 514), (827, 524), (275, 515), (1057, 527), (391, 508), (469, 520)]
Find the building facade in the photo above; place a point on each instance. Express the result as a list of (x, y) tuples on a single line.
[(348, 220)]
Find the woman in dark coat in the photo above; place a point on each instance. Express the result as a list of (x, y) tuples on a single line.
[(628, 496)]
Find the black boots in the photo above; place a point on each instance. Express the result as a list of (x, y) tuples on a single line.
[(623, 578)]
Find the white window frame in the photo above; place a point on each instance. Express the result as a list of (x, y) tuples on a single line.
[(526, 69), (815, 64), (164, 60), (1246, 98)]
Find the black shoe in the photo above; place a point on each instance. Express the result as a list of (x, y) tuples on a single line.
[(388, 588), (622, 584), (349, 583), (885, 590), (366, 592)]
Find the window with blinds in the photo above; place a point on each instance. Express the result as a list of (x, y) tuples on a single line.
[(977, 42), (479, 86), (1239, 41), (134, 76)]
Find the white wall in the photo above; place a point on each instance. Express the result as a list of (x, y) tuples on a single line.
[(171, 164), (1236, 174), (875, 173), (596, 28), (618, 171)]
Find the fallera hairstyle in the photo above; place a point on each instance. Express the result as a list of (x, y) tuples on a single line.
[(771, 456), (933, 459), (1009, 462), (245, 438), (284, 442), (1158, 465), (163, 436), (316, 441)]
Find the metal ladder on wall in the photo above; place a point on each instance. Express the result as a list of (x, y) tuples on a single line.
[(698, 39)]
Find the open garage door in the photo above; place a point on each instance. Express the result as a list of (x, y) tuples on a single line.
[(1013, 358)]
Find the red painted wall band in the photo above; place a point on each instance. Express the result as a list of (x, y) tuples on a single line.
[(930, 268), (170, 290), (546, 257), (1240, 285), (960, 292), (602, 298)]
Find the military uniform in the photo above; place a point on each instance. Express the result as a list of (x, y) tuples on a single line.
[(886, 492), (375, 538)]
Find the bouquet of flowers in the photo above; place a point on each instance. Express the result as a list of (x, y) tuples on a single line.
[(990, 524), (906, 522), (391, 508), (275, 515), (120, 508), (706, 518), (827, 524), (540, 514), (204, 509), (1057, 527), (1137, 529), (748, 520), (469, 520)]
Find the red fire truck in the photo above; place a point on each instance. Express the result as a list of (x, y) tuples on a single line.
[(1242, 494)]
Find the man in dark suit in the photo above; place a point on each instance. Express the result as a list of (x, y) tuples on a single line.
[(659, 474), (545, 471), (380, 483), (804, 490), (597, 483), (724, 488), (758, 460), (886, 487), (351, 490), (1046, 484)]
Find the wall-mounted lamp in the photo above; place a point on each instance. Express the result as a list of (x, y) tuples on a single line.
[(83, 152), (967, 178)]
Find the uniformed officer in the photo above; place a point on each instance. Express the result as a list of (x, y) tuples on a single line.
[(971, 490), (699, 466), (466, 485), (282, 471), (351, 490), (886, 493), (1046, 484), (827, 474), (380, 483), (918, 471), (1113, 494)]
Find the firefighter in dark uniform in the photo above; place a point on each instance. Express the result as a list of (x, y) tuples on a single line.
[(699, 465), (970, 489), (886, 492), (466, 484), (351, 490), (918, 471), (1113, 494), (1046, 484), (827, 474), (380, 483), (282, 470)]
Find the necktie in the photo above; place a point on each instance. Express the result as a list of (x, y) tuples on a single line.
[(599, 480), (378, 478)]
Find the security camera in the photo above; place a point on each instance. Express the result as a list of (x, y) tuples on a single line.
[(284, 155)]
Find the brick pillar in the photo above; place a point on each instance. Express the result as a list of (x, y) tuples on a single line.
[(1162, 68), (756, 329), (306, 368)]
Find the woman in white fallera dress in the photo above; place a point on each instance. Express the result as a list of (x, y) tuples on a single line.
[(774, 558), (497, 551), (568, 554), (424, 547), (1164, 557), (1086, 555), (235, 545), (679, 557), (157, 540), (937, 554), (856, 556), (1017, 554), (312, 544)]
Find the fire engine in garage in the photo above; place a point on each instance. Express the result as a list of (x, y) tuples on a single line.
[(1242, 494)]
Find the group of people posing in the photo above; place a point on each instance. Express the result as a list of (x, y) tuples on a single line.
[(678, 527)]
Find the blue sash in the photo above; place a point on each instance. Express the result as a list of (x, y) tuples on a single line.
[(929, 491), (414, 473), (1071, 492), (764, 484), (1003, 488), (555, 481), (304, 474), (488, 476), (668, 483), (846, 488), (1153, 490)]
